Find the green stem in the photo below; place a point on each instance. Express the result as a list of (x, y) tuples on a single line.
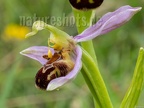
[(96, 80), (88, 46), (83, 21), (132, 95), (93, 78)]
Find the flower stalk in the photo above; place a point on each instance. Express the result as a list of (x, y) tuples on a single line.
[(92, 77), (81, 26)]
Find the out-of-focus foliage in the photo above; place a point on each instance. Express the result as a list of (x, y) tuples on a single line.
[(116, 53)]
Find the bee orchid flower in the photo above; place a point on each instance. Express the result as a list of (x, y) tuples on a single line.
[(61, 60)]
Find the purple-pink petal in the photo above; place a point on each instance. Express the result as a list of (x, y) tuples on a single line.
[(108, 22), (36, 53), (55, 83)]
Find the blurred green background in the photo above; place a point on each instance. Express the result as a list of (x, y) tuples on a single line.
[(116, 53)]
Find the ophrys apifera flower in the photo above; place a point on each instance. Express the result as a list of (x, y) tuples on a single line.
[(61, 60)]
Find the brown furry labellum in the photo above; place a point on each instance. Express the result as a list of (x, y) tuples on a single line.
[(54, 68), (85, 4)]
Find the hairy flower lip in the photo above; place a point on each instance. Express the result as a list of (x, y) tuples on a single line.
[(55, 83), (85, 5)]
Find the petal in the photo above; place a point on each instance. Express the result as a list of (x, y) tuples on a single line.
[(55, 83), (108, 22), (36, 53)]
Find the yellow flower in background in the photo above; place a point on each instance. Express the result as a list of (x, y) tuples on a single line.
[(14, 31)]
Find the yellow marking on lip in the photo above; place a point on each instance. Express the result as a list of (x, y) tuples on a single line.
[(38, 80), (78, 1), (43, 70), (91, 1), (49, 76)]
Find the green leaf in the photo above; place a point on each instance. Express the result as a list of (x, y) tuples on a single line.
[(131, 97), (89, 84), (94, 77)]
